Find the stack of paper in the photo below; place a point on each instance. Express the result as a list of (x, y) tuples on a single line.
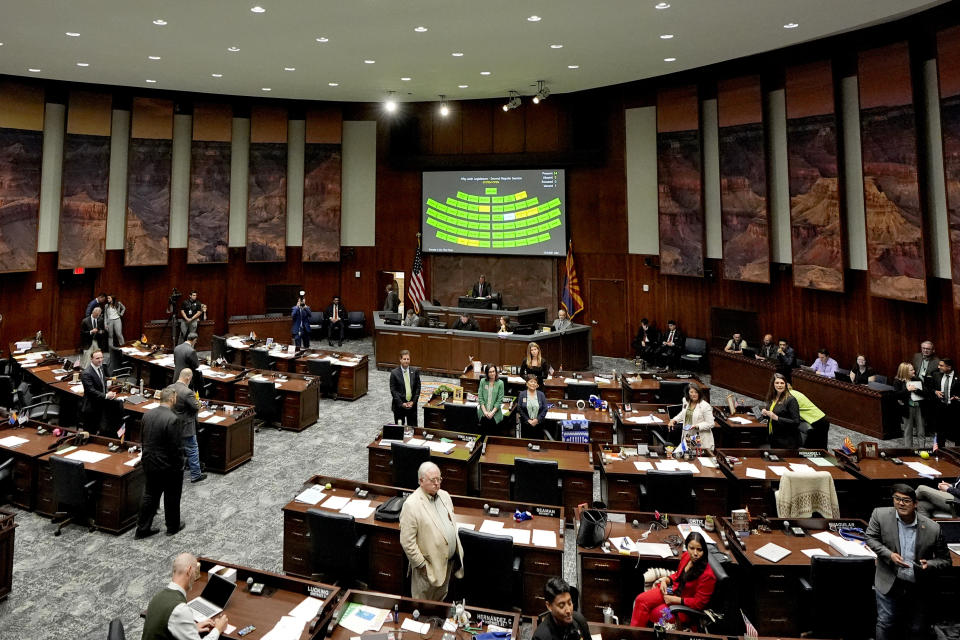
[(772, 552), (442, 447), (361, 618), (409, 624), (544, 538), (777, 469), (152, 405), (756, 473), (845, 547), (312, 495), (358, 509), (491, 526), (923, 469), (738, 420), (687, 529), (133, 462), (810, 553), (87, 456), (336, 502), (643, 465), (554, 415), (655, 549), (520, 536), (12, 441), (215, 420), (801, 468), (709, 463)]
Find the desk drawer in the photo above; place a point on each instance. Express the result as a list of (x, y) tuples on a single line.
[(595, 597), (385, 543), (539, 562), (533, 600), (386, 573), (603, 565), (495, 482)]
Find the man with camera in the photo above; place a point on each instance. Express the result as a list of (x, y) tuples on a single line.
[(300, 314)]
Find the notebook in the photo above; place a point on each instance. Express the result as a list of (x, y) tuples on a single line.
[(213, 599)]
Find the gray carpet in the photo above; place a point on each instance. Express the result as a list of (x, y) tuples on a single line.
[(71, 586)]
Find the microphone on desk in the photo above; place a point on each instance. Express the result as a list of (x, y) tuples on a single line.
[(249, 582), (59, 441)]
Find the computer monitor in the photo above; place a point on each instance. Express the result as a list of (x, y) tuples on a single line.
[(748, 352), (393, 432)]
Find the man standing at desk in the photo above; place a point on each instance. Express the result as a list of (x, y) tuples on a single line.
[(162, 467), (482, 288), (92, 331), (168, 615), (428, 536), (190, 314), (187, 407), (944, 393), (185, 357), (563, 623), (93, 410), (405, 390), (335, 315), (909, 547)]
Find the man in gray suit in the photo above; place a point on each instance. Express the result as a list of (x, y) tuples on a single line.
[(186, 409), (185, 356), (909, 548)]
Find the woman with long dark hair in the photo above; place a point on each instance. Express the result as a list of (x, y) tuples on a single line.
[(490, 400), (783, 415), (690, 585)]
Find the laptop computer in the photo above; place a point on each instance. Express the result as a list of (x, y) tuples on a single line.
[(213, 599), (393, 432)]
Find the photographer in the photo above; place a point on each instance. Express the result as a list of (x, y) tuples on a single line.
[(300, 314), (190, 314)]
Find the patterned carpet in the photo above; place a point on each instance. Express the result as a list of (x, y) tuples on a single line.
[(71, 586)]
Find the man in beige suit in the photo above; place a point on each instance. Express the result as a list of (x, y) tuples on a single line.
[(428, 535)]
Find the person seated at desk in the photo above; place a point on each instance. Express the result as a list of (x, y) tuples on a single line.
[(736, 344), (691, 586), (647, 341), (768, 348), (535, 363), (465, 323), (504, 325), (671, 347), (411, 319), (783, 415), (908, 392), (695, 416), (482, 288), (562, 622), (930, 500), (490, 399), (861, 372), (786, 358), (824, 365), (562, 323), (532, 409), (168, 615)]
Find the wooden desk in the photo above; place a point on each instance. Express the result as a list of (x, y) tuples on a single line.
[(354, 371), (757, 493), (428, 609), (855, 406), (614, 577), (512, 384), (118, 493), (7, 539), (262, 326), (458, 467), (26, 457), (281, 595), (434, 415), (610, 388), (741, 374), (600, 423), (574, 461), (773, 594), (881, 474), (387, 561), (159, 332), (644, 386), (487, 319), (446, 352), (630, 429), (749, 435), (300, 397), (620, 481)]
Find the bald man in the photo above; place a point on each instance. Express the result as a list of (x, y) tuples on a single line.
[(168, 615)]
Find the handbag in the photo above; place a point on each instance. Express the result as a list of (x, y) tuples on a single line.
[(389, 511), (593, 528)]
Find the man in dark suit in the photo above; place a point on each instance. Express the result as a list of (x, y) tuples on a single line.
[(465, 323), (786, 358), (162, 467), (647, 341), (93, 409), (482, 288), (336, 315), (909, 548), (300, 330), (943, 390), (185, 357), (186, 407), (392, 301), (671, 344), (405, 389), (91, 331)]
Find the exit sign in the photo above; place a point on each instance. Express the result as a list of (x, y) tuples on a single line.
[(79, 271)]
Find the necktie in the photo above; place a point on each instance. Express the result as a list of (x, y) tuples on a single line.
[(336, 315), (946, 388), (670, 339), (102, 383), (406, 383)]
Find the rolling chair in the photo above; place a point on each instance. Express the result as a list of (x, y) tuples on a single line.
[(671, 391), (316, 324), (673, 490), (847, 580), (880, 378), (663, 437), (694, 352), (327, 373), (116, 357), (488, 559), (6, 479), (338, 552), (8, 394), (722, 613), (356, 321), (537, 482), (406, 460), (43, 407), (582, 391), (115, 630), (261, 359), (460, 417), (219, 349), (73, 492), (266, 402)]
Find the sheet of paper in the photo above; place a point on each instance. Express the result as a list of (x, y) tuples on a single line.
[(12, 441), (577, 416), (215, 420), (800, 467), (814, 552), (204, 414), (358, 509), (466, 525), (772, 552), (777, 469), (709, 463), (515, 379), (824, 536), (643, 465), (668, 465), (312, 495), (687, 529), (923, 469), (688, 466), (654, 549), (571, 381), (821, 462), (651, 419), (756, 473), (409, 624), (491, 526), (416, 442), (76, 388), (555, 415), (544, 538), (336, 502), (738, 420), (442, 447), (520, 536), (596, 636), (307, 608), (152, 405), (133, 463), (87, 456)]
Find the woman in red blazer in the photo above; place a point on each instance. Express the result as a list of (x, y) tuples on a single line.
[(691, 585)]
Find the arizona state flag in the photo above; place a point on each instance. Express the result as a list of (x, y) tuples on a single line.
[(570, 298)]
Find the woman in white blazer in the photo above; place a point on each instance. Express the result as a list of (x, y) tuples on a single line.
[(695, 416)]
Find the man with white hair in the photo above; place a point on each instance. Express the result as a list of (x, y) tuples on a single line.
[(428, 535), (187, 406), (168, 615)]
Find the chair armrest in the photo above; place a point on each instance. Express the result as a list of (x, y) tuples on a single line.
[(513, 478), (643, 489), (806, 586), (361, 542), (688, 611), (693, 494), (559, 483), (516, 564)]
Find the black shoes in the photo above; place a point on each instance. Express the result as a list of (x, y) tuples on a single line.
[(140, 535), (173, 533), (199, 478)]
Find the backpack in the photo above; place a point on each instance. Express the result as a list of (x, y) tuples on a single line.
[(389, 511)]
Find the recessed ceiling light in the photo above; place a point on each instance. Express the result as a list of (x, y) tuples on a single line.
[(484, 73), (662, 5), (669, 59), (420, 29), (217, 75), (534, 19), (153, 57), (258, 9), (333, 84), (573, 66), (463, 86), (369, 62), (266, 89), (83, 64), (556, 46), (160, 22), (233, 49), (666, 36), (391, 104), (457, 54), (151, 81), (34, 70), (405, 78), (322, 39), (289, 68), (791, 25), (72, 34)]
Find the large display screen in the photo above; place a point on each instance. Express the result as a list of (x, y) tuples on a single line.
[(495, 212)]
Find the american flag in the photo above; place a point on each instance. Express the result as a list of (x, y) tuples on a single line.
[(417, 289), (751, 631)]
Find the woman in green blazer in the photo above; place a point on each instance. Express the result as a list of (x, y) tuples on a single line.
[(490, 399)]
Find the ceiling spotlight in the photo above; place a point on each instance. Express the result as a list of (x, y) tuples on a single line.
[(333, 84), (217, 75), (233, 49), (669, 59), (463, 86), (152, 81), (791, 25), (34, 70), (420, 29), (266, 89), (513, 102), (369, 62), (662, 5), (405, 78), (258, 9), (73, 34), (666, 36), (484, 73), (153, 57), (444, 110), (289, 68), (542, 92), (83, 64), (534, 19), (573, 66), (391, 103), (556, 46), (160, 22), (457, 54), (321, 39)]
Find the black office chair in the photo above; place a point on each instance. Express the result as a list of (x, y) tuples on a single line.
[(338, 552), (488, 560), (537, 482), (812, 437), (668, 490), (261, 359), (847, 580), (406, 460), (74, 494), (8, 394), (273, 315), (356, 321), (722, 613), (671, 391), (694, 352), (220, 349), (115, 630), (665, 437), (4, 366), (267, 403), (316, 324), (460, 417), (6, 479), (327, 373), (582, 391), (880, 378)]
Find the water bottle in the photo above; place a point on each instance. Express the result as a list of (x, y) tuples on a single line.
[(141, 386)]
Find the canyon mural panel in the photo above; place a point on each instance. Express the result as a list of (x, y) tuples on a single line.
[(21, 154), (948, 45), (148, 201), (267, 202), (321, 203), (83, 213), (209, 202)]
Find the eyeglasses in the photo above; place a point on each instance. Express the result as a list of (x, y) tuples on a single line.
[(900, 500), (436, 480)]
